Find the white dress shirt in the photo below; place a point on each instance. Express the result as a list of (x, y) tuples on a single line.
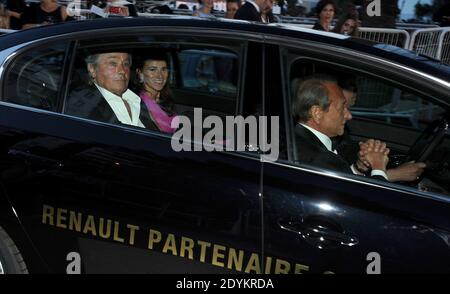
[(329, 145), (118, 106)]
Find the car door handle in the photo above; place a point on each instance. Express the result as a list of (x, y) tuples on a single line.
[(319, 232)]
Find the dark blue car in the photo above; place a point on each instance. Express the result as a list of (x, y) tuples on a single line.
[(92, 196)]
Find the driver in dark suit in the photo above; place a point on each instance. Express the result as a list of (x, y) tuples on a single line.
[(107, 97), (320, 112)]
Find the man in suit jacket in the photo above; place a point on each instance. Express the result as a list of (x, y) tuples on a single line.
[(251, 10), (320, 110), (108, 98)]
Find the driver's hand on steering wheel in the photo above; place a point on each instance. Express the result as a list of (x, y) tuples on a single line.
[(407, 172)]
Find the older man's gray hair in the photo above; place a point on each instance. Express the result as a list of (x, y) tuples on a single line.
[(94, 58), (309, 92)]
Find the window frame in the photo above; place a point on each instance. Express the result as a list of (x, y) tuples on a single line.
[(73, 38), (408, 79), (20, 53), (335, 56)]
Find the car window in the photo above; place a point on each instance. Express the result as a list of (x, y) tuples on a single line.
[(202, 74), (382, 102), (34, 77), (412, 125), (209, 71), (208, 78)]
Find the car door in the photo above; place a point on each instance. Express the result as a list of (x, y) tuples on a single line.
[(120, 198), (323, 221)]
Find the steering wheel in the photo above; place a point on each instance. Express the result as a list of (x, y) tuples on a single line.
[(428, 141)]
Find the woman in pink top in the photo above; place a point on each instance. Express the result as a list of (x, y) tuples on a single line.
[(153, 73)]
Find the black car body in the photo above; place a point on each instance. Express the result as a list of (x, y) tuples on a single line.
[(123, 201)]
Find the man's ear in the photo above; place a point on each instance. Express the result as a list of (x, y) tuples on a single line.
[(316, 113), (91, 69)]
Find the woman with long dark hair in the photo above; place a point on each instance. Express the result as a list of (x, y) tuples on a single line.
[(153, 73), (326, 9), (347, 25)]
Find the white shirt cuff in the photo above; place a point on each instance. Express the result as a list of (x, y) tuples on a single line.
[(356, 171), (379, 172)]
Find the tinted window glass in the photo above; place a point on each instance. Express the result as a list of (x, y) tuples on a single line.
[(380, 101), (35, 76), (411, 124), (209, 71), (175, 72)]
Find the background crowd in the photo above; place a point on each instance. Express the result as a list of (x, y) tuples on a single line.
[(340, 16)]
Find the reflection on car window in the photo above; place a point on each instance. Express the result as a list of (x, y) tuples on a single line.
[(34, 77), (210, 71), (382, 102)]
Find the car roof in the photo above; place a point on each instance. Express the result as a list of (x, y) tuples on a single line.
[(410, 59)]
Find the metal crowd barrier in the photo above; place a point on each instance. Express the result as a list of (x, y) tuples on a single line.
[(399, 38), (433, 42), (396, 37), (414, 26)]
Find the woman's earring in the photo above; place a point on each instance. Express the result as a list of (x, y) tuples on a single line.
[(141, 78)]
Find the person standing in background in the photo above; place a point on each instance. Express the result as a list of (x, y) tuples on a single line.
[(442, 14), (267, 14), (326, 10), (251, 10), (347, 25), (44, 13), (15, 10), (232, 7), (4, 17), (205, 10)]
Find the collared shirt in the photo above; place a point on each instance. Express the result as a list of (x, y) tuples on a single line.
[(118, 106), (322, 137), (326, 141), (254, 4)]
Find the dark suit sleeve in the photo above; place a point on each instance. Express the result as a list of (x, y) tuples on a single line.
[(318, 26), (347, 148), (89, 103), (29, 14), (248, 12), (312, 152), (379, 178), (132, 10)]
